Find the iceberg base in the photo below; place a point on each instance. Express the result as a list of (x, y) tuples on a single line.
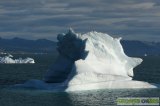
[(41, 85)]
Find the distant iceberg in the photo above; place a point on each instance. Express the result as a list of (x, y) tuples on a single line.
[(89, 61), (3, 53), (8, 60)]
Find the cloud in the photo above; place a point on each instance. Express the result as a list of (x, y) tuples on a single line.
[(35, 19)]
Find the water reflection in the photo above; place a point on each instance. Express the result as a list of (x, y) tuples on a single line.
[(108, 97), (84, 98)]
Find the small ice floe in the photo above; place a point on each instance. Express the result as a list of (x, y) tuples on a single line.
[(145, 55), (9, 60)]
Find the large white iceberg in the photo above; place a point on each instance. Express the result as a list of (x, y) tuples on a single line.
[(9, 60), (89, 61)]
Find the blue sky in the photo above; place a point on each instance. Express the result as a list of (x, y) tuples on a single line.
[(34, 19)]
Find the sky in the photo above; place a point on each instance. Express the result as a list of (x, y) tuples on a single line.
[(44, 19)]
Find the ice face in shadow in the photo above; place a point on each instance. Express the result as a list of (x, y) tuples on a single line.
[(9, 60), (71, 48), (89, 61)]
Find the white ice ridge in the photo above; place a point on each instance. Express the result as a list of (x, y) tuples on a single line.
[(89, 61), (8, 60)]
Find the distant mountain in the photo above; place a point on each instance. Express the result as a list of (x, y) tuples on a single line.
[(140, 48), (19, 45), (22, 45)]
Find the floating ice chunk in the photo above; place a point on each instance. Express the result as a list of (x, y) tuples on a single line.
[(8, 60)]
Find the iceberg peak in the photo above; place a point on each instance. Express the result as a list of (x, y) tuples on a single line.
[(71, 45), (71, 31)]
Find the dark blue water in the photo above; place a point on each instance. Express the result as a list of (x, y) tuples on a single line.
[(148, 71)]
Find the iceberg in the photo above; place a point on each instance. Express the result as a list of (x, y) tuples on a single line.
[(8, 60), (89, 61)]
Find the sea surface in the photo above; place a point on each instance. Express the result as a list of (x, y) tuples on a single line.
[(11, 74)]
